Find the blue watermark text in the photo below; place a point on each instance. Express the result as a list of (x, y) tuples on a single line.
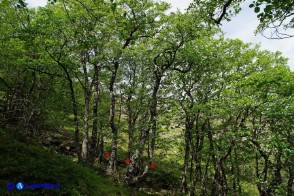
[(20, 186)]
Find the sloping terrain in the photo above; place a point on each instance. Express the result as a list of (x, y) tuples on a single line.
[(23, 159)]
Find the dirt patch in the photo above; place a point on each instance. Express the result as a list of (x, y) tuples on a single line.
[(61, 141)]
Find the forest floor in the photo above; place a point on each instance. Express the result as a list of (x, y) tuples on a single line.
[(50, 158), (24, 159)]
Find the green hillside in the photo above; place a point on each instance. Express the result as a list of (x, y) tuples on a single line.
[(24, 160)]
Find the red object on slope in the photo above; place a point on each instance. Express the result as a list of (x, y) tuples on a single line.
[(128, 161), (153, 165), (107, 155)]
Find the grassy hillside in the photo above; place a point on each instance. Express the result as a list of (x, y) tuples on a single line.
[(22, 159)]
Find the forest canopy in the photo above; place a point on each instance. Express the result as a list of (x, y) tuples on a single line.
[(130, 81)]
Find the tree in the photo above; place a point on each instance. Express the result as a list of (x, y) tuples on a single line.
[(56, 43), (163, 88), (276, 15), (217, 109), (130, 26), (33, 80)]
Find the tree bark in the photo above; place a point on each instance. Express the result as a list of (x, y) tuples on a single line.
[(87, 96), (153, 111), (93, 149), (214, 190), (204, 179), (112, 161), (130, 126), (187, 154), (277, 177), (263, 189), (236, 173), (74, 109)]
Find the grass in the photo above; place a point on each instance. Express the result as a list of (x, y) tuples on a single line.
[(23, 159)]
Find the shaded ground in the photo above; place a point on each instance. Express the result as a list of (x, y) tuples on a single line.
[(23, 159)]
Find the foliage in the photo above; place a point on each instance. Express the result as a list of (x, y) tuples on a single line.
[(214, 114), (274, 16)]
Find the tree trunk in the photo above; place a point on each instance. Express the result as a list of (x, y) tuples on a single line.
[(277, 178), (153, 112), (73, 103), (224, 184), (87, 97), (93, 149), (236, 174), (101, 148), (112, 161), (130, 126), (214, 190), (262, 188), (74, 109), (265, 188), (198, 148), (204, 179), (86, 127), (187, 154)]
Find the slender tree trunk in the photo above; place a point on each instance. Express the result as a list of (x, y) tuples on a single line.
[(265, 169), (112, 161), (144, 134), (101, 147), (214, 189), (277, 178), (93, 149), (136, 158), (199, 146), (73, 102), (187, 154), (224, 180), (236, 172), (220, 180), (135, 168), (193, 175), (204, 179), (28, 109), (76, 124), (153, 112), (87, 97), (86, 128), (233, 173), (263, 189), (74, 109), (193, 184), (257, 172), (130, 126)]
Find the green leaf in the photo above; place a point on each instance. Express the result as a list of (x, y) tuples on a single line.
[(251, 5), (257, 9), (268, 8), (113, 6)]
